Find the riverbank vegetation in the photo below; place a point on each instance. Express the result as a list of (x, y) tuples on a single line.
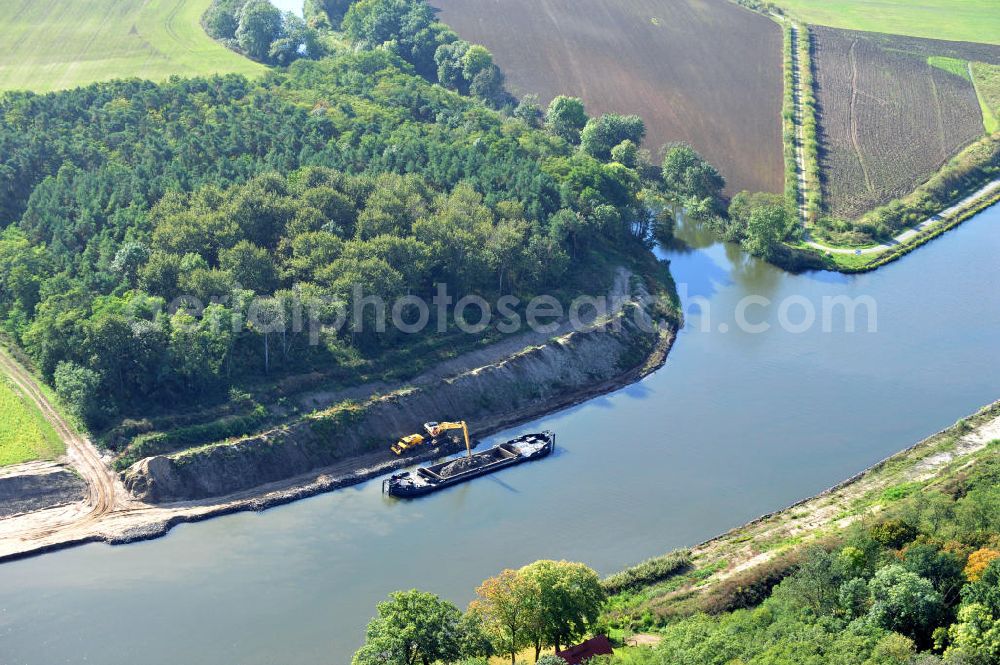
[(762, 223), (545, 604), (64, 43), (891, 558), (854, 263)]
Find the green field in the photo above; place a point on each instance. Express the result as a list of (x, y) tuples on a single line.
[(987, 81), (953, 65), (24, 434), (957, 20), (66, 43)]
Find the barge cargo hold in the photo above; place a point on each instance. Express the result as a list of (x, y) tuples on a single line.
[(424, 480)]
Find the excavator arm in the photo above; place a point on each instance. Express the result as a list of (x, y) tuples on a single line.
[(437, 429), (434, 430)]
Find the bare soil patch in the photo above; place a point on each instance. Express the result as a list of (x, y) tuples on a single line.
[(703, 71), (36, 486), (888, 119)]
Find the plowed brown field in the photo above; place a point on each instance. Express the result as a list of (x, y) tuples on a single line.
[(703, 71), (888, 119)]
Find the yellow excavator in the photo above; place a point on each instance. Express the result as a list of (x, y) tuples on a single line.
[(434, 430)]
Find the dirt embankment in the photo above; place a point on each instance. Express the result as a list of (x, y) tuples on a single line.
[(494, 387), (531, 382)]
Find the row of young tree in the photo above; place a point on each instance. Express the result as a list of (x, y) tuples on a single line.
[(544, 604)]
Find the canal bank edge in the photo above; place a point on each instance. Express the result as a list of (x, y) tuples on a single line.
[(798, 259), (632, 352), (531, 383), (920, 239), (763, 550)]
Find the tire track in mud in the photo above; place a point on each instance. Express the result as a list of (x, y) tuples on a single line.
[(853, 115), (101, 491), (938, 113)]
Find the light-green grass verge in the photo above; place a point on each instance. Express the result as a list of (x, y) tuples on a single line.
[(25, 435), (952, 65), (986, 79), (59, 44), (957, 20)]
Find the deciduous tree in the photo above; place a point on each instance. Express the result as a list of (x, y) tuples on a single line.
[(259, 25), (412, 627), (569, 602), (506, 605), (603, 133), (566, 117)]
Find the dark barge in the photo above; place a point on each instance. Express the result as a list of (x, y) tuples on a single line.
[(427, 479)]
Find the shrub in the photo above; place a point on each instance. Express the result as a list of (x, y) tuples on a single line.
[(904, 602), (749, 587), (893, 533), (550, 659), (79, 388), (648, 572)]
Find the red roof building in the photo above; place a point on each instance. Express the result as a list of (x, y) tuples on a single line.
[(581, 653)]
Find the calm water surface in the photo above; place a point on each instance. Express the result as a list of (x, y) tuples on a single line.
[(733, 426)]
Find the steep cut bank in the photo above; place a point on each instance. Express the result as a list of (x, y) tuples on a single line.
[(536, 380)]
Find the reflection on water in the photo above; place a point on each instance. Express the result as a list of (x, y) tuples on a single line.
[(735, 425)]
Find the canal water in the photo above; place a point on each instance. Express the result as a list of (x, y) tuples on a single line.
[(737, 423)]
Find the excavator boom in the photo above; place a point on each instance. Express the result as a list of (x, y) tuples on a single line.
[(437, 429), (434, 430)]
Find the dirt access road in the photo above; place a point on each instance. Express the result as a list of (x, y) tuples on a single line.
[(102, 487), (110, 514)]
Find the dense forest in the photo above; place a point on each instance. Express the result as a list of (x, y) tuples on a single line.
[(354, 169), (149, 229)]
